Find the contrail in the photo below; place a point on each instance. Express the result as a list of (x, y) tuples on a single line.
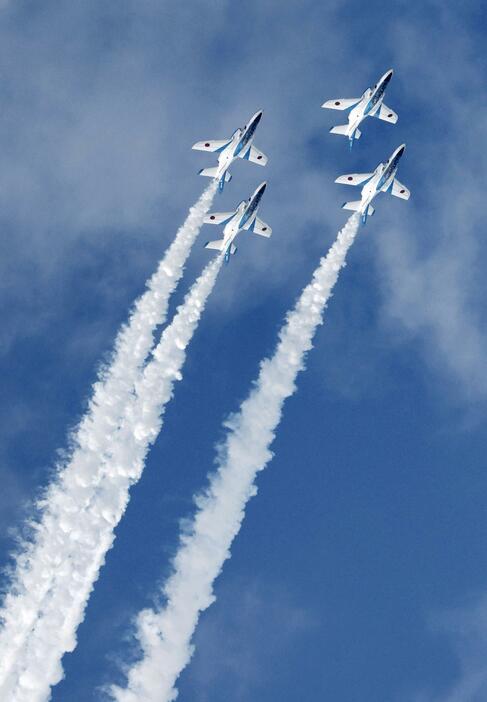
[(38, 665), (164, 633), (39, 560)]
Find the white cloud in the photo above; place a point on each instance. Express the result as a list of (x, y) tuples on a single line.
[(466, 630), (432, 254)]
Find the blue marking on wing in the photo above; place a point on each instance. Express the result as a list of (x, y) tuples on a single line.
[(218, 151)]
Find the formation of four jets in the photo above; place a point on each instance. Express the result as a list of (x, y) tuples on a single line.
[(240, 145)]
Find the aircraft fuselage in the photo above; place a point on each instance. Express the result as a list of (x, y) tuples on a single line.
[(243, 218), (240, 142), (369, 103), (382, 179)]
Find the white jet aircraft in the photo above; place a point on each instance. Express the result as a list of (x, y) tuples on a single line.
[(371, 104), (383, 179), (239, 145), (244, 217)]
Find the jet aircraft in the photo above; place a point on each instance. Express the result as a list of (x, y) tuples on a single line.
[(383, 179), (239, 145), (244, 217), (370, 104)]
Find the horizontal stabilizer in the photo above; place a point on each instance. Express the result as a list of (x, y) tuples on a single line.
[(212, 173), (218, 217), (354, 206), (354, 178), (216, 245), (340, 129), (340, 103), (214, 145), (209, 172)]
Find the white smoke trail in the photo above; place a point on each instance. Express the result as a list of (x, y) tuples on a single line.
[(38, 664), (164, 634), (40, 559)]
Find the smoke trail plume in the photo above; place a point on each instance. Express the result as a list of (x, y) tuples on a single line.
[(164, 634), (46, 555), (38, 665)]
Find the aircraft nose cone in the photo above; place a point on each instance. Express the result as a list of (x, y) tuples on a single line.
[(401, 149), (258, 117), (262, 187)]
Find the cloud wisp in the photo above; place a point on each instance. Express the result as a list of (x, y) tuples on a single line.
[(164, 633), (63, 528)]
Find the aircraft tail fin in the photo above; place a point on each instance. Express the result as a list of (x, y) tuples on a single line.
[(216, 245), (226, 178), (368, 213), (340, 129), (355, 135), (232, 249)]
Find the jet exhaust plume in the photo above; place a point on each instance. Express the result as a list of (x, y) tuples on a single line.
[(62, 529), (164, 633), (38, 665)]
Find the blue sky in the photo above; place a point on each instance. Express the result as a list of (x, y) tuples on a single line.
[(360, 572)]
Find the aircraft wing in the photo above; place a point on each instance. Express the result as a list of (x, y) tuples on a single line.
[(214, 145), (385, 113), (218, 217), (261, 228), (400, 190), (340, 103), (354, 178), (253, 154)]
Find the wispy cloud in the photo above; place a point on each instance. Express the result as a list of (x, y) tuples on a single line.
[(433, 256), (465, 629), (251, 626)]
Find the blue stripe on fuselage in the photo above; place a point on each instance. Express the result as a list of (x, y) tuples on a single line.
[(252, 206), (246, 137), (390, 171), (380, 90)]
